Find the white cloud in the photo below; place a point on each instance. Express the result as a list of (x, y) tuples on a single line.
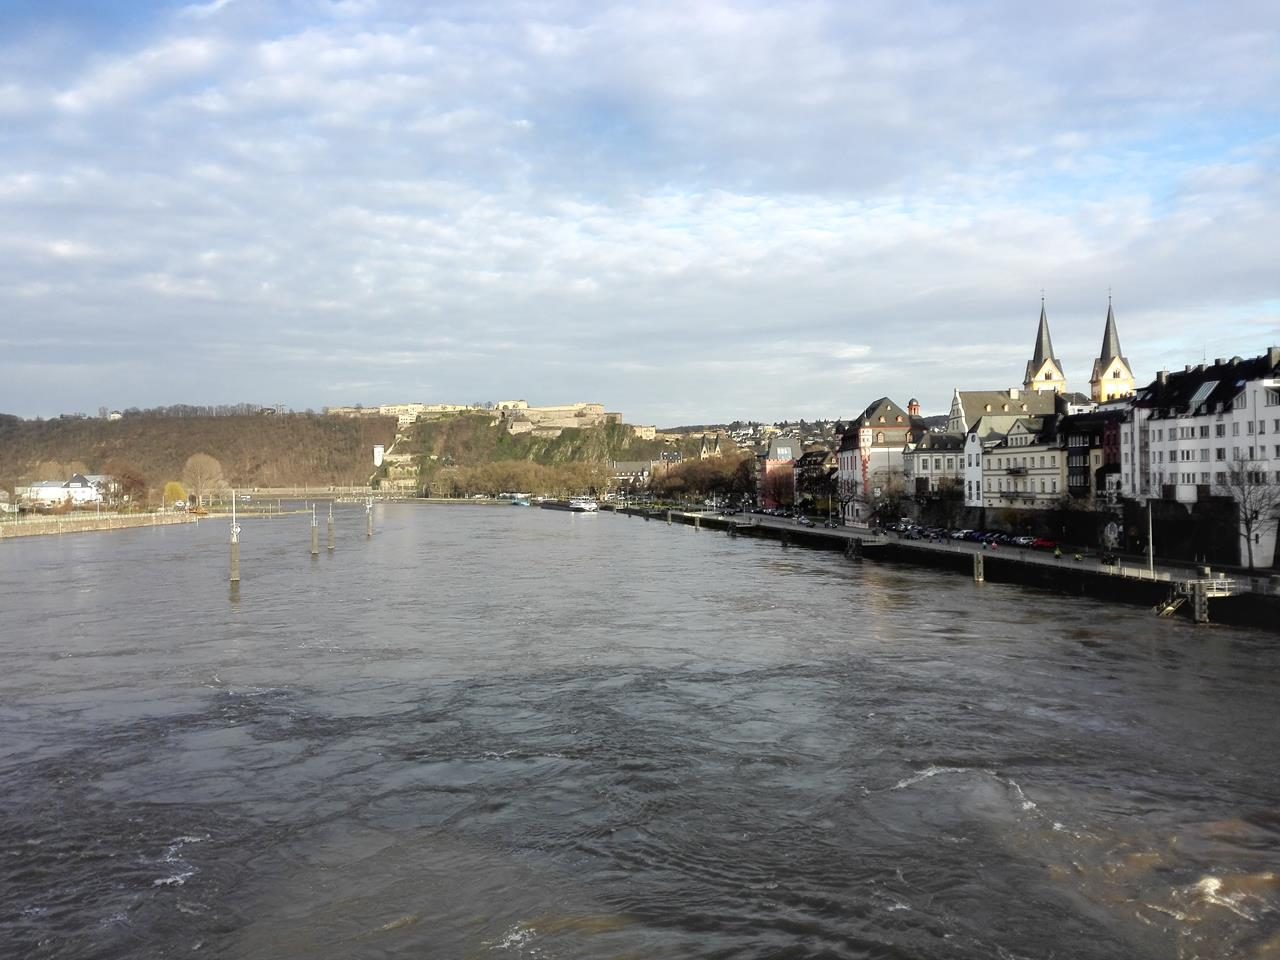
[(690, 211)]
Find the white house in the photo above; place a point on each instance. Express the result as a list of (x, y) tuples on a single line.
[(1188, 432), (50, 493)]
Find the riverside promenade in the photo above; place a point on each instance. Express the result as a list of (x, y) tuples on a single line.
[(1238, 597), (40, 526)]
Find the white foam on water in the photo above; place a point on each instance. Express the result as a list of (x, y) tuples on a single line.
[(172, 856), (1208, 889), (177, 880), (1022, 797), (928, 772), (513, 939)]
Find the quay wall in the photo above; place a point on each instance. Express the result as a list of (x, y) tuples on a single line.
[(999, 566), (54, 526)]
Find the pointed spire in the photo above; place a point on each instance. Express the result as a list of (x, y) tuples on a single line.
[(1044, 345), (1110, 339)]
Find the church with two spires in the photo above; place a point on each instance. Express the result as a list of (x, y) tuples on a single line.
[(1112, 376)]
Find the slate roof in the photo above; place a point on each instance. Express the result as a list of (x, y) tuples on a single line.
[(1110, 346), (1044, 343), (974, 403), (1205, 388), (1044, 348), (941, 441), (992, 427), (783, 448)]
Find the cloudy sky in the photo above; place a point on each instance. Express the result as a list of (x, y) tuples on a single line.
[(687, 211)]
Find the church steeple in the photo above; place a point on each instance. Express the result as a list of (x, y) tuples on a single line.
[(1112, 376), (1110, 339), (1044, 372), (1044, 343)]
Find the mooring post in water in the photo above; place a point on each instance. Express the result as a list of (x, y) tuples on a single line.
[(368, 517), (853, 549), (1200, 601), (668, 518), (315, 533), (977, 568), (235, 542), (331, 526), (697, 523)]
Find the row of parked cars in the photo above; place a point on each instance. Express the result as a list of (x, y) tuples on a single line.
[(914, 531)]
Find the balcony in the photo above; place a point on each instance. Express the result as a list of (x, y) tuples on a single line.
[(1016, 471)]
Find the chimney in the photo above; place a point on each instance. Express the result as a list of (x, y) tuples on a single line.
[(1273, 357), (1162, 376), (1187, 368), (1219, 361), (1014, 393)]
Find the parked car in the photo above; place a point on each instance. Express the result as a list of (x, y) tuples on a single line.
[(804, 521), (1044, 543)]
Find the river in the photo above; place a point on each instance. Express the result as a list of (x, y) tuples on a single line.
[(501, 732)]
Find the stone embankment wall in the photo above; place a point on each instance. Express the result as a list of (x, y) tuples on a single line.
[(72, 523)]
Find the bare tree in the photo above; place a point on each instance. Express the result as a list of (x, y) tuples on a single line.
[(202, 474), (1257, 499)]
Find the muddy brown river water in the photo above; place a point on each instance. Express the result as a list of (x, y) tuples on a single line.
[(496, 732)]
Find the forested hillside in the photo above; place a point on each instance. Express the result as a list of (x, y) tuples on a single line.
[(254, 451), (474, 439), (469, 453)]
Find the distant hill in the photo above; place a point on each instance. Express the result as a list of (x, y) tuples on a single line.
[(255, 451)]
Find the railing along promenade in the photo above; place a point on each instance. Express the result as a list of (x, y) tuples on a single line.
[(37, 526), (1125, 579)]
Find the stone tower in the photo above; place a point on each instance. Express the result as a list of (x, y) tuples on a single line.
[(1112, 376), (1044, 372)]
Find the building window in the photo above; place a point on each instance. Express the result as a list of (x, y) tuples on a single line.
[(1204, 454), (1220, 453), (880, 437), (1249, 425), (1204, 431), (1219, 429), (1204, 478), (1055, 486), (1241, 401), (1220, 478), (1235, 429)]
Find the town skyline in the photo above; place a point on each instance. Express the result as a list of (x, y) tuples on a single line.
[(730, 210)]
